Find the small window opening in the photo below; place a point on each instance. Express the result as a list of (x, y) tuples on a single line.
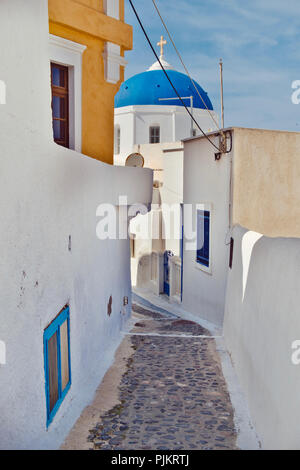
[(154, 135), (57, 362)]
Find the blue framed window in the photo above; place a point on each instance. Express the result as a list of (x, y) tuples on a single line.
[(57, 362), (203, 234)]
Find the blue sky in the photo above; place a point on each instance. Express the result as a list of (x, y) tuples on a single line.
[(259, 41)]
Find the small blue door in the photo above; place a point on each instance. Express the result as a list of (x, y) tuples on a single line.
[(167, 255)]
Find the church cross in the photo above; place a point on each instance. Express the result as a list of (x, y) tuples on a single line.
[(161, 44)]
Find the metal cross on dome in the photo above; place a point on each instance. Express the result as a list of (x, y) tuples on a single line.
[(161, 44)]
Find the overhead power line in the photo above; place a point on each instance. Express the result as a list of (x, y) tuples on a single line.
[(183, 64), (170, 81)]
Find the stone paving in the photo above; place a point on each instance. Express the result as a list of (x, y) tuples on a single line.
[(173, 395)]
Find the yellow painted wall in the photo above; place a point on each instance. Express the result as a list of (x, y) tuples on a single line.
[(83, 21), (266, 175)]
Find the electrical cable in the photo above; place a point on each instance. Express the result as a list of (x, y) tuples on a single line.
[(170, 81), (183, 64)]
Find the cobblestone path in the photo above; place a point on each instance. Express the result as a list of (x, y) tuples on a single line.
[(173, 395)]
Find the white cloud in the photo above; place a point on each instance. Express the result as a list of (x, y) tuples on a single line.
[(257, 39)]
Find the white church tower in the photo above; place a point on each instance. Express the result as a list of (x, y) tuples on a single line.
[(148, 111), (151, 120)]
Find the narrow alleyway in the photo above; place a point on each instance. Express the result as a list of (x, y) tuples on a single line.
[(172, 394)]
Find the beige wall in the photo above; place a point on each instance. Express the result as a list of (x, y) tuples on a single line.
[(266, 175)]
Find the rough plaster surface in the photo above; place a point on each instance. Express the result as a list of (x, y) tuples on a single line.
[(267, 168), (49, 193), (247, 437), (259, 328), (206, 181)]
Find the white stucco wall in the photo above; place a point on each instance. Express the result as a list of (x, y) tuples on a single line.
[(172, 195), (166, 161), (183, 122), (267, 168), (49, 193), (206, 181), (172, 189), (261, 322), (174, 122)]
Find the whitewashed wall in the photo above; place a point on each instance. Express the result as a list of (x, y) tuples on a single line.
[(183, 122), (172, 194), (206, 181), (174, 122), (166, 161), (112, 8), (127, 133), (48, 193), (261, 322)]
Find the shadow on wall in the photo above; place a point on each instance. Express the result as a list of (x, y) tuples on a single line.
[(143, 274)]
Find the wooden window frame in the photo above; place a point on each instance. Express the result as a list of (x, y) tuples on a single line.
[(49, 332), (153, 135), (62, 92), (204, 214)]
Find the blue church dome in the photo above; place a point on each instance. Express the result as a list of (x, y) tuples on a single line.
[(146, 88)]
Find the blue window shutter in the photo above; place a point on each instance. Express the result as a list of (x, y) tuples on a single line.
[(203, 234)]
